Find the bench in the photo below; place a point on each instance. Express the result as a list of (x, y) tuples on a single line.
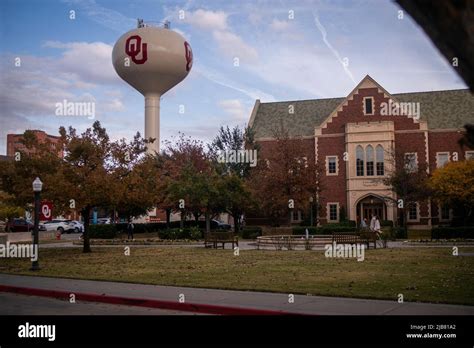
[(369, 237), (212, 239), (365, 237)]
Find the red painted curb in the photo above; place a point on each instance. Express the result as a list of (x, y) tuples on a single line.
[(128, 301)]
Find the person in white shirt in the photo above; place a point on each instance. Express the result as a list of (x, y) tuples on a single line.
[(376, 228)]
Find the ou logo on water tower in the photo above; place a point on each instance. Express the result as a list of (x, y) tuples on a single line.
[(134, 46)]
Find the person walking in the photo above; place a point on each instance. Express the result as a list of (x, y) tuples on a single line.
[(130, 228), (377, 228)]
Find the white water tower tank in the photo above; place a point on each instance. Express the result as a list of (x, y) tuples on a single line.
[(152, 59)]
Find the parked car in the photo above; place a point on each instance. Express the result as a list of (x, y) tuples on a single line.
[(21, 225), (75, 226), (61, 225), (100, 221)]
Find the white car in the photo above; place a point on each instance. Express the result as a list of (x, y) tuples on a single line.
[(75, 226), (61, 225)]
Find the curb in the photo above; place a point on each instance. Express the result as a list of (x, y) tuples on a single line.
[(139, 302)]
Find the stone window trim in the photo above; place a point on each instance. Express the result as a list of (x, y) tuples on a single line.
[(328, 206), (373, 105), (417, 213), (438, 165), (440, 214), (327, 165)]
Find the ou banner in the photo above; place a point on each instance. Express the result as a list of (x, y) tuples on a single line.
[(46, 211)]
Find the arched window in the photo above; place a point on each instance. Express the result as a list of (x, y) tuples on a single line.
[(359, 161), (379, 159), (369, 157)]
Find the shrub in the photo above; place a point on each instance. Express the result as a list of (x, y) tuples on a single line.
[(102, 231), (195, 233), (386, 223), (466, 232), (325, 229), (398, 233), (301, 230), (251, 232)]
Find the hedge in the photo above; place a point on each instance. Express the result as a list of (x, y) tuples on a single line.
[(251, 232), (325, 229), (466, 232), (111, 231), (102, 231)]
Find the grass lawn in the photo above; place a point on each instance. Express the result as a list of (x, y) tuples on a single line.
[(420, 274)]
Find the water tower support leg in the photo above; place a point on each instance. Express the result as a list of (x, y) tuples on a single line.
[(152, 121)]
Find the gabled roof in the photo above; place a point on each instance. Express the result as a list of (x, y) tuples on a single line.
[(450, 109)]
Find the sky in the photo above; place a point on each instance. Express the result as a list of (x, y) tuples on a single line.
[(286, 50)]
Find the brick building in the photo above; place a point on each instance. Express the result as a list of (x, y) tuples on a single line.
[(14, 142), (351, 139)]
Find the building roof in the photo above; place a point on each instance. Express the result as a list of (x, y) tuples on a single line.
[(450, 109)]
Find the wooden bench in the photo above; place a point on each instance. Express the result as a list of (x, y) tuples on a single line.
[(365, 237), (345, 238), (212, 239), (368, 237)]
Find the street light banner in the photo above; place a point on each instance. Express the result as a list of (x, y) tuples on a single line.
[(46, 211)]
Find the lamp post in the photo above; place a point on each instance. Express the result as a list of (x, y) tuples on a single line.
[(311, 210), (37, 186)]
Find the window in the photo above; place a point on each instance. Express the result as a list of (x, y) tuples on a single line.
[(413, 212), (369, 155), (441, 159), (331, 165), (368, 106), (379, 158), (333, 211), (444, 212), (411, 162), (296, 216), (359, 161), (469, 155)]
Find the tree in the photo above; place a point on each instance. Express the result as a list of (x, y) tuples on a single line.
[(408, 182), (192, 179), (234, 189), (134, 178), (37, 159), (86, 179), (9, 210), (286, 178), (468, 137), (453, 184)]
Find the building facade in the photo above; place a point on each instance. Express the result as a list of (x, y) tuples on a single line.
[(354, 140), (14, 142)]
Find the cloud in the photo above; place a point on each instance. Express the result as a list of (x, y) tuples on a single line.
[(89, 62), (233, 46), (278, 25), (218, 78), (106, 17), (331, 48), (207, 20), (236, 109)]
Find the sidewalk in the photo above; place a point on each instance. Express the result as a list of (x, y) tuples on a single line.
[(209, 300)]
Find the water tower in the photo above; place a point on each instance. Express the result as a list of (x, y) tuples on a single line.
[(152, 59)]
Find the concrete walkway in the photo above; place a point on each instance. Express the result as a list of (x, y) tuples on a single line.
[(313, 305)]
